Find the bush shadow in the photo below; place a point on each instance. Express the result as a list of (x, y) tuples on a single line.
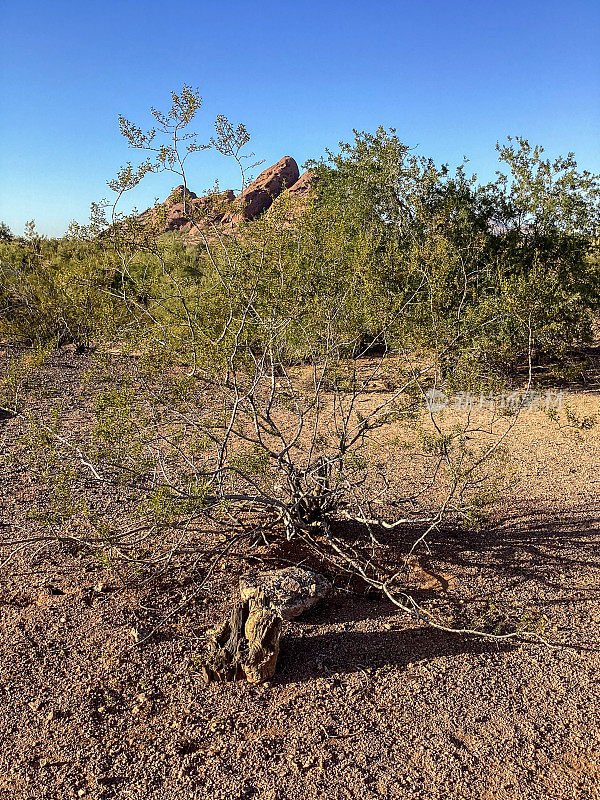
[(343, 653)]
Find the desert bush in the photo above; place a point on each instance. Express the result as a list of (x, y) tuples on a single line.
[(278, 361), (275, 370), (5, 233), (56, 290), (498, 270)]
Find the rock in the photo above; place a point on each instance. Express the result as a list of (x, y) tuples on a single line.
[(304, 184), (175, 215), (288, 591), (177, 195), (209, 209), (258, 196), (293, 202)]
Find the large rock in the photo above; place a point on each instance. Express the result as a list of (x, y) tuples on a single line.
[(288, 591), (177, 210), (176, 215), (293, 202), (304, 185), (258, 196), (209, 210), (177, 195), (226, 209)]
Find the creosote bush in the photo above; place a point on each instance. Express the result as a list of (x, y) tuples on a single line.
[(265, 374)]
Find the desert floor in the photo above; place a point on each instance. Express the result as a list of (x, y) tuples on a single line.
[(365, 703)]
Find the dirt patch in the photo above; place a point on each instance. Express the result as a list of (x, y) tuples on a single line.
[(365, 702)]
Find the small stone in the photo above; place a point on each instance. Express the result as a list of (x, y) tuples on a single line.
[(288, 591)]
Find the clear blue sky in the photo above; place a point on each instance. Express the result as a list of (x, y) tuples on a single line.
[(453, 76)]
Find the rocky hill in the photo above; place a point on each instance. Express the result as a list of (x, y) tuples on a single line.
[(184, 211)]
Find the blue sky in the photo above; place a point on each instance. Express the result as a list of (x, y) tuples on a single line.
[(453, 76)]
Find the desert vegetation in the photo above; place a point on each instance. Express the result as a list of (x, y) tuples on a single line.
[(327, 373), (265, 358)]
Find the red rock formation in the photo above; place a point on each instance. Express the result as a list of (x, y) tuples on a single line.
[(212, 209), (304, 184), (292, 203), (175, 215), (258, 196)]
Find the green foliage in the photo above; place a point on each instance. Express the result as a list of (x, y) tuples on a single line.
[(408, 255), (21, 369), (446, 282), (482, 273), (57, 290), (63, 503)]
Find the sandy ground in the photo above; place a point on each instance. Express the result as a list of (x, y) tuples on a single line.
[(365, 703)]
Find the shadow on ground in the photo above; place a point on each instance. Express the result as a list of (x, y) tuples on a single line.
[(542, 546), (304, 658), (549, 560)]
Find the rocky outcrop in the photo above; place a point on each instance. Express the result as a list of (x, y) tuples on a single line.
[(293, 202), (182, 206), (178, 194), (258, 196), (304, 185), (224, 208)]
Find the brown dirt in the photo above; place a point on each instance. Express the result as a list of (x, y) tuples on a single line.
[(365, 703)]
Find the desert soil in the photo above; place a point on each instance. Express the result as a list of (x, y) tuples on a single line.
[(365, 703)]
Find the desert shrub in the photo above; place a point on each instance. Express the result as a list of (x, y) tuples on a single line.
[(272, 365), (496, 270), (56, 290), (5, 233), (275, 362)]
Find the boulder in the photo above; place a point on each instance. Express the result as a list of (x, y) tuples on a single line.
[(303, 185), (177, 195), (213, 208), (258, 196), (174, 215), (293, 202), (288, 591)]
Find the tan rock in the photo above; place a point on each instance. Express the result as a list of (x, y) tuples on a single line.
[(304, 185), (288, 591)]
